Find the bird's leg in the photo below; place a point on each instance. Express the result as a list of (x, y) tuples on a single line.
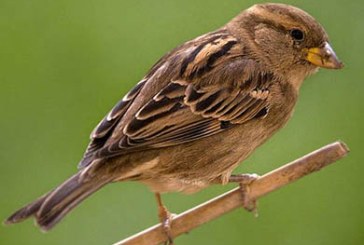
[(245, 181), (165, 218)]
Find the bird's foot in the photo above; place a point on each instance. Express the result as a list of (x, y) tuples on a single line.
[(245, 180), (249, 204), (166, 218)]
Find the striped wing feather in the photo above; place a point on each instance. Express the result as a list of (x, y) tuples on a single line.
[(180, 113), (213, 88)]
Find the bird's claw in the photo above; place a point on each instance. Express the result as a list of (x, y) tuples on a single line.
[(166, 219), (249, 204), (245, 180), (166, 222)]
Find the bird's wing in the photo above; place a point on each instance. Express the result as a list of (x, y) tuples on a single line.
[(215, 90), (107, 125)]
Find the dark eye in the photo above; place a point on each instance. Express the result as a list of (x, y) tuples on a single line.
[(297, 35)]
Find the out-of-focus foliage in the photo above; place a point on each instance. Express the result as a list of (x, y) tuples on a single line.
[(64, 63)]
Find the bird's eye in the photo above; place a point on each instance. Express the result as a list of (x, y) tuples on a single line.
[(297, 35)]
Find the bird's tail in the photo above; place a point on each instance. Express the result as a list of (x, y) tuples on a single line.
[(49, 209)]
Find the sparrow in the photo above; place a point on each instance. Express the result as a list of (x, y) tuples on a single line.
[(201, 110)]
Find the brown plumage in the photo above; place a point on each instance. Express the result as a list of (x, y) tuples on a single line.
[(201, 110)]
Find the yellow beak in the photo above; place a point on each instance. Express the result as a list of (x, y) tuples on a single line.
[(324, 57)]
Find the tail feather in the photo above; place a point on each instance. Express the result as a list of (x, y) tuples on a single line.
[(49, 209), (26, 211)]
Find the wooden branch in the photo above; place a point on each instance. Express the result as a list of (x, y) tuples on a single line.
[(228, 201)]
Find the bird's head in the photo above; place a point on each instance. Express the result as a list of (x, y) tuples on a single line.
[(286, 38)]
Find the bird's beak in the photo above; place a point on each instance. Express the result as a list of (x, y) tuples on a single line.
[(324, 57)]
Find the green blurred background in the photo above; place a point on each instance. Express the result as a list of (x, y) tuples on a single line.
[(63, 65)]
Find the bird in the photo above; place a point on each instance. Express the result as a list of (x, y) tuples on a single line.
[(199, 112)]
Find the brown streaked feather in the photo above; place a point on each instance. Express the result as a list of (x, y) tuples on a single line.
[(206, 55), (118, 110), (104, 129), (211, 87), (198, 46), (183, 112)]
